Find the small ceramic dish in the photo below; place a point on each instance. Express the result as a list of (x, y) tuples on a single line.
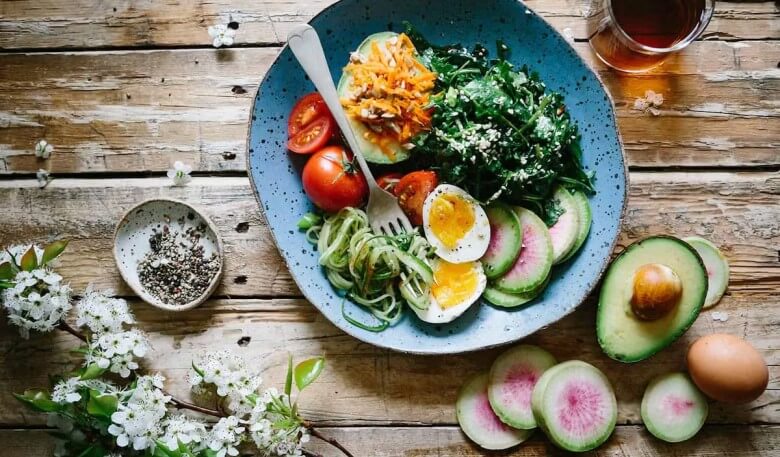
[(131, 244)]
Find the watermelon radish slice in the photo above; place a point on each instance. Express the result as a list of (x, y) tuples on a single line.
[(673, 408), (564, 231), (576, 405), (506, 238), (586, 220), (535, 260), (479, 422), (512, 379), (717, 267), (507, 300)]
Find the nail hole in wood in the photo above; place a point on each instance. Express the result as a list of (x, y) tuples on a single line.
[(242, 227), (240, 279)]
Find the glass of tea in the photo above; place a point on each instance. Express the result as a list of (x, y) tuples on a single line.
[(637, 35)]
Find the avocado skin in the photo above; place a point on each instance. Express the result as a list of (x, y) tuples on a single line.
[(607, 306)]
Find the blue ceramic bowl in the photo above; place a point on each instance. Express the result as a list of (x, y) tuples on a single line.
[(275, 173)]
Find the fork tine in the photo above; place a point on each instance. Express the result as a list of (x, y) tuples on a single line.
[(405, 224)]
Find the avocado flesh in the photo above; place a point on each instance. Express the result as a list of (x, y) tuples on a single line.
[(621, 334), (371, 152)]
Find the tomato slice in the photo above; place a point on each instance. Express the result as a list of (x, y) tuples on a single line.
[(313, 137), (412, 190), (388, 181), (305, 111)]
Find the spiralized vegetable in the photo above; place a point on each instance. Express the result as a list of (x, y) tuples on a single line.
[(378, 272)]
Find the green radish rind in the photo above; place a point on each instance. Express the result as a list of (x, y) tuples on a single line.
[(586, 220), (503, 299), (536, 251), (511, 381), (478, 421), (717, 269), (565, 230), (546, 404), (505, 229), (673, 408), (371, 151)]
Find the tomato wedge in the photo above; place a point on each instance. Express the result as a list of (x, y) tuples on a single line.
[(306, 110), (313, 137), (388, 181), (412, 190)]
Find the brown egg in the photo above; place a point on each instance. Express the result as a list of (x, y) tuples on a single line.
[(727, 368)]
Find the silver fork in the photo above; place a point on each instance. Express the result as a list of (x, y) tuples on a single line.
[(384, 214)]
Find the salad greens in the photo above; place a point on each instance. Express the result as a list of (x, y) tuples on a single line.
[(496, 131)]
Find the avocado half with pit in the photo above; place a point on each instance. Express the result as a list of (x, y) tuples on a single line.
[(391, 151), (651, 295)]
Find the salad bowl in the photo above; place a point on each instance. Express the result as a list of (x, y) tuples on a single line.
[(275, 173)]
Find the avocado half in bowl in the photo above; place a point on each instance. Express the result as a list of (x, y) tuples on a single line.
[(276, 173), (651, 294)]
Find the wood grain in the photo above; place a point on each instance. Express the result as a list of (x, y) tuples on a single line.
[(137, 111), (448, 441), (87, 24), (738, 211)]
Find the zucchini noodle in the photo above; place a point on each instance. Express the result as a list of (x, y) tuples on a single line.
[(378, 272)]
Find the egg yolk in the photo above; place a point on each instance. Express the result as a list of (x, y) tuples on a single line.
[(453, 283), (450, 219)]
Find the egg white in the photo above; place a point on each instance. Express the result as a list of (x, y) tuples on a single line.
[(435, 314), (474, 243)]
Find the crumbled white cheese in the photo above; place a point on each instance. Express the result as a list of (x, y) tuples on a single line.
[(721, 316)]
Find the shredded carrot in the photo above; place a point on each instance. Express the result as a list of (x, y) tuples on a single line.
[(390, 91)]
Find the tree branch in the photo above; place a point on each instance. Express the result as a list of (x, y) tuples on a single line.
[(332, 441), (64, 326), (193, 407), (310, 453)]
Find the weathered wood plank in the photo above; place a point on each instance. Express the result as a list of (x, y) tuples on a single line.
[(738, 211), (367, 385), (448, 441), (87, 24), (138, 111)]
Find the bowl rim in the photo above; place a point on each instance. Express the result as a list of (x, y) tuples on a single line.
[(350, 330), (140, 291)]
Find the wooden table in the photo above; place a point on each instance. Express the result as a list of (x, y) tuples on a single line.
[(121, 89)]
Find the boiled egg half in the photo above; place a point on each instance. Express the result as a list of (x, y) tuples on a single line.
[(456, 286), (455, 225)]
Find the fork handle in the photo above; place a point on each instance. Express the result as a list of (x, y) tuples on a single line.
[(305, 44)]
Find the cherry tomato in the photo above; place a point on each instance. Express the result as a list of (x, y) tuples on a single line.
[(308, 108), (332, 181), (388, 181), (412, 190), (313, 137)]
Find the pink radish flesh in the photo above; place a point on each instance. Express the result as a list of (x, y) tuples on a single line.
[(582, 408), (673, 408), (535, 260)]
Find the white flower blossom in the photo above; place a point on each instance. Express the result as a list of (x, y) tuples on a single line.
[(43, 178), (137, 421), (180, 173), (225, 436), (267, 436), (180, 428), (37, 300), (222, 35), (101, 313), (43, 149), (229, 374), (66, 391), (650, 102), (117, 351)]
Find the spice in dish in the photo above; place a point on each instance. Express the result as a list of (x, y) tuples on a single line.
[(176, 270)]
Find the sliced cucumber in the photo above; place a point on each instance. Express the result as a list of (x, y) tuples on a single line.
[(586, 220), (393, 152), (506, 239), (576, 405), (564, 232), (673, 408), (512, 379), (717, 269), (535, 260), (507, 300), (479, 422)]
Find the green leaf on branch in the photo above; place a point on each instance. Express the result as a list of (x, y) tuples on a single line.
[(39, 400), (288, 381), (6, 284), (161, 450), (53, 250), (308, 371), (7, 271), (91, 372), (102, 406), (29, 260), (95, 450), (197, 370)]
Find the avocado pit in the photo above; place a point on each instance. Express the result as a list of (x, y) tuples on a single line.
[(657, 290)]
